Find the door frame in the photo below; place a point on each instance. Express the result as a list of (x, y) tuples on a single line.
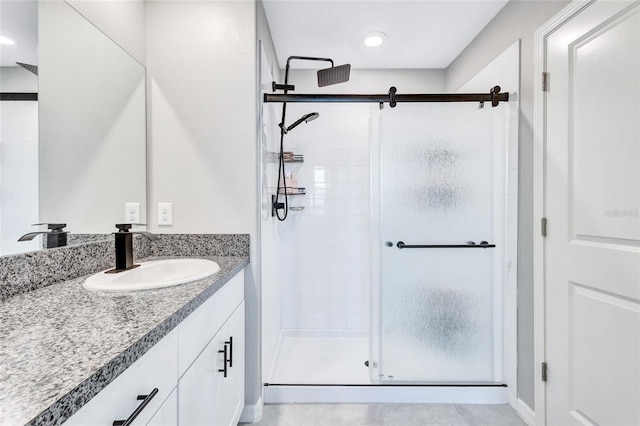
[(539, 196)]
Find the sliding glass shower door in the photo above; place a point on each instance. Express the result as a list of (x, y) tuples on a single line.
[(439, 220)]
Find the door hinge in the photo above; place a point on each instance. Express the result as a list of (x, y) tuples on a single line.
[(543, 226), (544, 371), (545, 81)]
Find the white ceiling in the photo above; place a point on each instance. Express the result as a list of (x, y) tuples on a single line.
[(420, 33)]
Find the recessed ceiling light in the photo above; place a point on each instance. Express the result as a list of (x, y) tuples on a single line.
[(6, 40), (374, 39)]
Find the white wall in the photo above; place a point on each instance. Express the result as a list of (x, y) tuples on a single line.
[(517, 21), (364, 81), (201, 69)]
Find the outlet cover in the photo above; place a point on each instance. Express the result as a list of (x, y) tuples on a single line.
[(132, 212), (165, 214)]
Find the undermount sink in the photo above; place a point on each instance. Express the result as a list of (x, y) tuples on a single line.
[(153, 274)]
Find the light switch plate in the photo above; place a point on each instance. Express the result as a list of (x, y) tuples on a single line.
[(132, 212), (165, 214)]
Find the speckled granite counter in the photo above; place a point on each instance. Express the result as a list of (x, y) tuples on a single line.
[(61, 344)]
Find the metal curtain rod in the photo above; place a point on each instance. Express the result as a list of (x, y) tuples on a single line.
[(494, 96)]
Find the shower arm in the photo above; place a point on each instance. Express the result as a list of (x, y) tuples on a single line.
[(286, 87), (302, 58)]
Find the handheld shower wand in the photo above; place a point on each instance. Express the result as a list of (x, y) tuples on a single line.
[(305, 119)]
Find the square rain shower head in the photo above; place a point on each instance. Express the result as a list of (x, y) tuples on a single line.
[(334, 75)]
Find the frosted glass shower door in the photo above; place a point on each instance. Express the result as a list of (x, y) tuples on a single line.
[(441, 182)]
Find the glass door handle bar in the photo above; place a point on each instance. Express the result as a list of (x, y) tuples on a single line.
[(483, 244)]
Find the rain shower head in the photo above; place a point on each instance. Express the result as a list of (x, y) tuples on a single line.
[(334, 75), (304, 119)]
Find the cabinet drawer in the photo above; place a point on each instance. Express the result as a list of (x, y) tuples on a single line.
[(195, 332), (155, 369)]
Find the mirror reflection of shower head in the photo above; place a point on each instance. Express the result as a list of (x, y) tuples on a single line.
[(304, 119)]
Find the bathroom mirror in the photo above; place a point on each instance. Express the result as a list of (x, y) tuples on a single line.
[(78, 153)]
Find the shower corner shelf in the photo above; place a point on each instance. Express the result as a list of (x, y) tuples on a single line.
[(293, 158), (274, 157), (294, 191)]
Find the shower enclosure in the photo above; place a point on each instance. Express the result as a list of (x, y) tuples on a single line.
[(388, 276)]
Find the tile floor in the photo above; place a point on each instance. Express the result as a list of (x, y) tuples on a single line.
[(388, 415)]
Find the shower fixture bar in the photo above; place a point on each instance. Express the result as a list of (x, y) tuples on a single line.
[(470, 244), (494, 96)]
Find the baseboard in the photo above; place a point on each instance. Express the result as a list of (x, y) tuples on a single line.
[(525, 412), (252, 413)]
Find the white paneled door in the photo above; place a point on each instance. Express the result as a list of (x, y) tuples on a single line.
[(592, 202)]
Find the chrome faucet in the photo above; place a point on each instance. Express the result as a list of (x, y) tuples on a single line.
[(124, 247), (55, 238)]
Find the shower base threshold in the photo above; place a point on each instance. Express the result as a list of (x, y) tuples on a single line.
[(371, 394)]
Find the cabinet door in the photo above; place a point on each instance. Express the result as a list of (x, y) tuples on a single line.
[(206, 396), (167, 414), (231, 401), (201, 385)]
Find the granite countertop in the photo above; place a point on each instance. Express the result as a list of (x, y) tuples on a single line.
[(61, 344)]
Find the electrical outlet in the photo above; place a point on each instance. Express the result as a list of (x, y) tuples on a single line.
[(132, 212), (165, 214)]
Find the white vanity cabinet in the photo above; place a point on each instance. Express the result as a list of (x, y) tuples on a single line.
[(187, 367)]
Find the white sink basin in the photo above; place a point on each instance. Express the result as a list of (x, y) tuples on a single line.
[(153, 274)]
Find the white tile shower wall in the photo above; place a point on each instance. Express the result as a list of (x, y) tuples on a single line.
[(325, 247), (19, 175)]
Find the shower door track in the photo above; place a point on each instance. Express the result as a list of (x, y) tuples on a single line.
[(494, 96), (395, 385), (368, 394)]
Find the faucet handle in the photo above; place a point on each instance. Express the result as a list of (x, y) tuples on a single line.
[(123, 227), (56, 227)]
